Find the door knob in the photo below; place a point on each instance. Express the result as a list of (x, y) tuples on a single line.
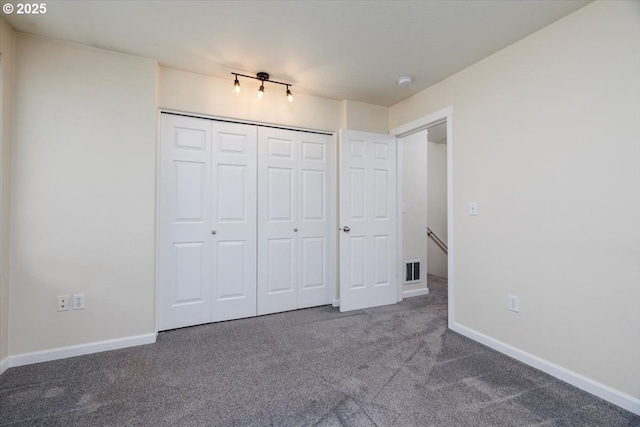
[(213, 231), (346, 229)]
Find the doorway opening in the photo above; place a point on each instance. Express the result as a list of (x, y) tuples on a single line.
[(425, 206), (436, 200)]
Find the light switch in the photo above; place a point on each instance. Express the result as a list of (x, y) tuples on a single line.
[(473, 208)]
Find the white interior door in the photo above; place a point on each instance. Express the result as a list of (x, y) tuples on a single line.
[(314, 219), (293, 220), (233, 228), (212, 208), (277, 220), (184, 243), (207, 221), (368, 264)]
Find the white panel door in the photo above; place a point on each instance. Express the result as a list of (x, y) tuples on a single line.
[(233, 228), (277, 220), (367, 219), (314, 156), (206, 221), (184, 243), (212, 208), (293, 220)]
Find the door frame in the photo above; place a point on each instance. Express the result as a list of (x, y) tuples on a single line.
[(332, 205), (425, 122)]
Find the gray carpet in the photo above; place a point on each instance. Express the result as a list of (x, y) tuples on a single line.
[(389, 366)]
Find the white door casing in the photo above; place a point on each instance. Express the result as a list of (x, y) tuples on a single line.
[(368, 262)]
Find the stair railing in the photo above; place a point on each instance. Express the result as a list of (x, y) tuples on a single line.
[(442, 245)]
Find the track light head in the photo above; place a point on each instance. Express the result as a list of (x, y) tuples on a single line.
[(289, 94), (236, 86)]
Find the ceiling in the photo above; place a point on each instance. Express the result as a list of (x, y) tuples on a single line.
[(334, 49)]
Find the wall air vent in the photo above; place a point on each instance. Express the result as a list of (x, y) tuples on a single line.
[(412, 271)]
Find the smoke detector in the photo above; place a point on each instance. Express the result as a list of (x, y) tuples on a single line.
[(405, 81)]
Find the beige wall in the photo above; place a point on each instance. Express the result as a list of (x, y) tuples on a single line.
[(199, 94), (414, 199), (7, 40), (437, 205), (195, 93), (545, 139), (84, 180), (365, 117), (84, 186)]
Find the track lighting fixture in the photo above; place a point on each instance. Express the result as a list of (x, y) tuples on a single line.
[(263, 77)]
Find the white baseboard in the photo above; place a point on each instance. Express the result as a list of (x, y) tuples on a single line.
[(4, 365), (605, 392), (415, 292), (79, 350), (336, 302)]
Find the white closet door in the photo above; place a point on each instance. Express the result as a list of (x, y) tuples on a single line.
[(233, 220), (368, 220), (313, 219), (293, 220), (184, 243), (277, 220), (211, 265)]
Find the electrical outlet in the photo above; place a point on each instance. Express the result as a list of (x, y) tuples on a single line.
[(78, 301), (63, 302), (514, 304)]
